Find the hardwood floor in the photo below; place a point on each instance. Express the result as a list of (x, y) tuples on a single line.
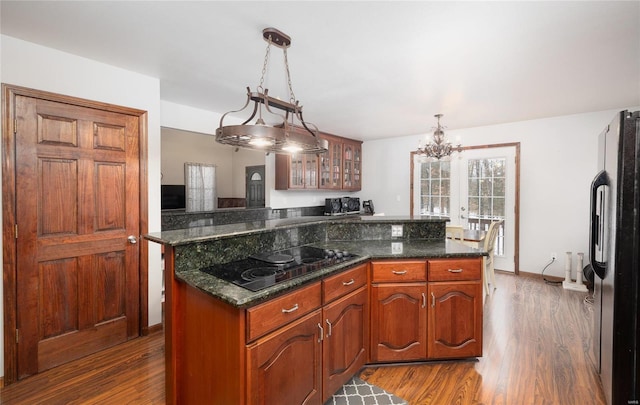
[(130, 373), (537, 350)]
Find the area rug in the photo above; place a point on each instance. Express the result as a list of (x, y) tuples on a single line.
[(358, 392)]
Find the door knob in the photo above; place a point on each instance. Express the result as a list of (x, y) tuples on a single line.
[(132, 239)]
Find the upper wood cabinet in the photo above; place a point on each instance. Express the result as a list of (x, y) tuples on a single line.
[(339, 168), (331, 165), (352, 165), (296, 171)]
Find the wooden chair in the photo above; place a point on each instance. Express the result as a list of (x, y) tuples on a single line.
[(489, 246), (455, 232)]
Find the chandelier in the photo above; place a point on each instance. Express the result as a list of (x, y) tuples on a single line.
[(290, 133), (440, 146)]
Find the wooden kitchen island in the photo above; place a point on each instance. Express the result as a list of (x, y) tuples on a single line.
[(412, 298)]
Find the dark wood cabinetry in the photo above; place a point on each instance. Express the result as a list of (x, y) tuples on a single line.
[(344, 346), (412, 319), (398, 311), (285, 367), (455, 310), (346, 327), (398, 322), (352, 176), (296, 171), (300, 347), (339, 168), (331, 165)]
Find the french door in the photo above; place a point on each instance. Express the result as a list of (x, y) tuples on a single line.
[(472, 189)]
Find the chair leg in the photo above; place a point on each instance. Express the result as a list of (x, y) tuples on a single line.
[(485, 276), (493, 276)]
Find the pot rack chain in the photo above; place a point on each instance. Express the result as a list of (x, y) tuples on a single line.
[(292, 95), (264, 65)]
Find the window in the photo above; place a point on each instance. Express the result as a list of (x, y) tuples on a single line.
[(200, 187), (486, 195), (435, 188)]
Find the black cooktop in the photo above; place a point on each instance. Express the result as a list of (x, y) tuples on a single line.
[(266, 269)]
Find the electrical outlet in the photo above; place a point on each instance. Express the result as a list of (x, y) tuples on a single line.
[(554, 256), (396, 231), (396, 248)]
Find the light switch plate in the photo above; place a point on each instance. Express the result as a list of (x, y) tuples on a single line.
[(396, 231)]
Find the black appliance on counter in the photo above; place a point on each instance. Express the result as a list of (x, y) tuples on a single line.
[(614, 250), (341, 206), (266, 269)]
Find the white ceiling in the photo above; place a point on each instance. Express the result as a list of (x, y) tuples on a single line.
[(363, 69)]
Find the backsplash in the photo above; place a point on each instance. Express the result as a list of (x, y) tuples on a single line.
[(179, 219), (234, 247)]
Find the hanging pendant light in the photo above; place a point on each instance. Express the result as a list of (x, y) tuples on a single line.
[(439, 146), (291, 133)]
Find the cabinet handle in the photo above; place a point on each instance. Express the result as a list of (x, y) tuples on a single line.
[(345, 283), (433, 300), (399, 273), (293, 308), (321, 332), (455, 270), (424, 300), (329, 323)]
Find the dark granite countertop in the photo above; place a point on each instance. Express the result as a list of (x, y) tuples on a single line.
[(367, 250), (203, 233)]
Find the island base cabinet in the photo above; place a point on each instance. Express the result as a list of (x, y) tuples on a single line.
[(455, 319), (345, 340), (398, 322), (285, 367)]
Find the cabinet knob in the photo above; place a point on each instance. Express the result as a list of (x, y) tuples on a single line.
[(399, 273), (293, 308), (455, 270)]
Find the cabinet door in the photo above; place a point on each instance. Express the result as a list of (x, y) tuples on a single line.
[(345, 340), (398, 322), (296, 171), (285, 367), (310, 170), (455, 319), (331, 165), (352, 166)]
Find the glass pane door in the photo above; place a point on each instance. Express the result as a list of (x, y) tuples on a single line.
[(486, 178)]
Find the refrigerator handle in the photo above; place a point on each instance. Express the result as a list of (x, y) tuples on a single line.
[(599, 268)]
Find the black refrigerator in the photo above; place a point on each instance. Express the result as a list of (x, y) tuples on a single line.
[(614, 249)]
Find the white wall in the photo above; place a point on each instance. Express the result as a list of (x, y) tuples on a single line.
[(30, 65), (558, 161)]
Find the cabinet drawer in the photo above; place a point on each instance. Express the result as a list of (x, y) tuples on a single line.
[(400, 271), (340, 284), (277, 312), (455, 269)]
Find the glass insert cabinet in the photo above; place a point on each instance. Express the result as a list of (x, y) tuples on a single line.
[(339, 168)]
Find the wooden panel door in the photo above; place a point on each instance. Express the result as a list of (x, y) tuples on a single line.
[(455, 319), (77, 203), (398, 322), (344, 347), (285, 367)]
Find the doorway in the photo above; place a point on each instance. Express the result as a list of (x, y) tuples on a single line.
[(74, 202), (255, 186), (473, 189)]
